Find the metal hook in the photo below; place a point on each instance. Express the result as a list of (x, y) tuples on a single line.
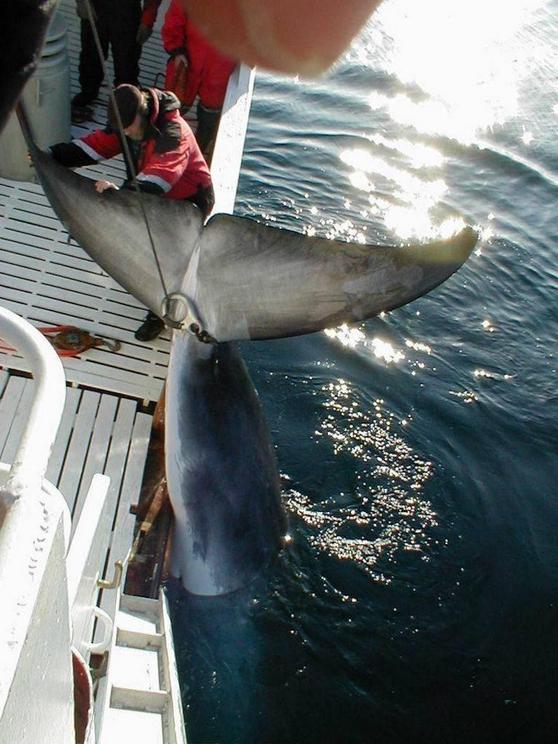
[(188, 315), (111, 343), (116, 579), (189, 320)]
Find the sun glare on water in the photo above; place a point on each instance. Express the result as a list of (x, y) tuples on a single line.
[(387, 513), (461, 69), (354, 338), (465, 57)]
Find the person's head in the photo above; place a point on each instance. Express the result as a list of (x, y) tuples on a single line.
[(132, 107)]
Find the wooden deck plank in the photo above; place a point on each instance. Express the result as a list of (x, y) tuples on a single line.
[(77, 293), (45, 224), (115, 468), (67, 267), (8, 406), (50, 313), (31, 279), (97, 450), (136, 387), (122, 536), (118, 368), (61, 442), (61, 251), (77, 450), (118, 453), (137, 384), (19, 421), (51, 262)]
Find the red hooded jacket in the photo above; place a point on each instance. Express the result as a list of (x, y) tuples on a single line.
[(208, 70), (168, 159)]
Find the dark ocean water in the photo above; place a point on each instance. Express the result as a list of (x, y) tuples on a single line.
[(418, 601)]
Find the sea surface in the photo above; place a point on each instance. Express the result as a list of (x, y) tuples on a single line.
[(418, 598)]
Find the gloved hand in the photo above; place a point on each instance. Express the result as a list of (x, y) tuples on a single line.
[(102, 185), (144, 32), (81, 10)]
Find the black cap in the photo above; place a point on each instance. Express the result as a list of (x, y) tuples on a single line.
[(129, 100)]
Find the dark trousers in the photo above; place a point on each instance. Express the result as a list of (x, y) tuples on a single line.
[(117, 25), (204, 198), (206, 132)]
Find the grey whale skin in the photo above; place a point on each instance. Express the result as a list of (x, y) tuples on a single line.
[(244, 280), (226, 497)]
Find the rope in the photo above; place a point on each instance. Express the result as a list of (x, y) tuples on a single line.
[(125, 146)]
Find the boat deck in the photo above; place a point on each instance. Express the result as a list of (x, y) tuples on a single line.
[(48, 279)]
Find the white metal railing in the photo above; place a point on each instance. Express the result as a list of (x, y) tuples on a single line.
[(85, 561), (22, 486), (31, 459), (229, 145), (34, 535), (48, 591)]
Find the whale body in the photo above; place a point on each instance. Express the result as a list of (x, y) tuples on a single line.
[(223, 481)]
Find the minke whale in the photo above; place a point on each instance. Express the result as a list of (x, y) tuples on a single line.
[(223, 480), (238, 279)]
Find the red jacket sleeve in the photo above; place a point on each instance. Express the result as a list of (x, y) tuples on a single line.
[(100, 144), (173, 31), (149, 13)]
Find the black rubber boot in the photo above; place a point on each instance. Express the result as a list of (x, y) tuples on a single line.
[(206, 132), (81, 108), (84, 98), (151, 327)]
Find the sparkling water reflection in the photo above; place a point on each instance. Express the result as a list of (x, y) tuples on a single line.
[(385, 513)]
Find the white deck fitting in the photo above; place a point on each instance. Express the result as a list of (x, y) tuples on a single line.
[(48, 279), (99, 433), (139, 699)]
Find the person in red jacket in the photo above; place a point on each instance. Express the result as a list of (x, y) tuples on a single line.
[(195, 68), (167, 158)]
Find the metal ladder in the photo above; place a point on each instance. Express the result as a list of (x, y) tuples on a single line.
[(140, 693)]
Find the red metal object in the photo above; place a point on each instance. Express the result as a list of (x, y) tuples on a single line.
[(70, 341)]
